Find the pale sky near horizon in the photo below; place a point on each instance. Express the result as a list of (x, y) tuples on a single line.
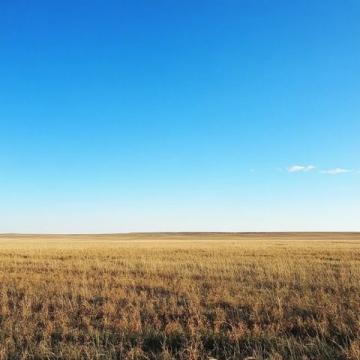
[(120, 116)]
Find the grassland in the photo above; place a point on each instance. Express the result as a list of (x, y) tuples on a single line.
[(180, 296)]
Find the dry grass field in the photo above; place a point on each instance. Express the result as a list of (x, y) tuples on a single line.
[(180, 296)]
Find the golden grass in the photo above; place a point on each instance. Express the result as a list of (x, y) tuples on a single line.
[(182, 296)]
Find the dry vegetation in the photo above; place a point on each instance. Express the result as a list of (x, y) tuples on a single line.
[(181, 296)]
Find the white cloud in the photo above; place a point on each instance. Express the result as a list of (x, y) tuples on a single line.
[(300, 168), (336, 171)]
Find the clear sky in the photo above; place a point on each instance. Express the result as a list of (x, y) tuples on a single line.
[(174, 115)]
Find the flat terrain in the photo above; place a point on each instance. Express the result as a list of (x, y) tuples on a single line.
[(181, 296)]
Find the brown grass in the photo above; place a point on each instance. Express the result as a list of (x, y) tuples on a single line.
[(181, 296)]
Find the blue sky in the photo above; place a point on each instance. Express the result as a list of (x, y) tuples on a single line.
[(179, 115)]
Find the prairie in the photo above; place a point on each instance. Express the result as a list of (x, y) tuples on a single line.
[(180, 296)]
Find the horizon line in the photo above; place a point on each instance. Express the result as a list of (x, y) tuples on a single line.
[(184, 233)]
